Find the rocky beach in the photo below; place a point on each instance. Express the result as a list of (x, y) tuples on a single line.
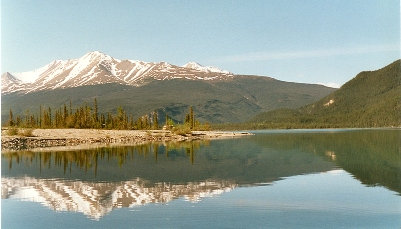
[(44, 138)]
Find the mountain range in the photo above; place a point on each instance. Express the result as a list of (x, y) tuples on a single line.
[(142, 87), (98, 68)]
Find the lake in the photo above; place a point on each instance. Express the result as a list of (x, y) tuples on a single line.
[(348, 178)]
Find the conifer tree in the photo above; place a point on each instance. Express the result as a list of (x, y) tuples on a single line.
[(27, 118), (70, 108), (11, 119), (139, 124), (102, 121), (109, 121), (65, 116), (50, 117), (187, 119), (40, 116), (192, 117), (155, 122), (145, 122), (96, 115), (131, 122), (18, 121)]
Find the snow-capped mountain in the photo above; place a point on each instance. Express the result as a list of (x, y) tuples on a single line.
[(207, 69), (98, 68), (97, 199), (11, 83)]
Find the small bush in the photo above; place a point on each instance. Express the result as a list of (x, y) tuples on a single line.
[(27, 133), (12, 131), (181, 130)]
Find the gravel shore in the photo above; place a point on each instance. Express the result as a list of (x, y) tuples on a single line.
[(42, 138)]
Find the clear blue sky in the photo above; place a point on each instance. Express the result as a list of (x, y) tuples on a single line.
[(299, 40)]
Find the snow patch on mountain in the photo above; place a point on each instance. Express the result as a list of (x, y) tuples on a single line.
[(98, 68), (31, 76), (199, 67), (330, 84)]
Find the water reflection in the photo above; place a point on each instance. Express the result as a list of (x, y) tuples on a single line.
[(96, 199), (240, 161), (371, 156), (96, 181), (87, 160)]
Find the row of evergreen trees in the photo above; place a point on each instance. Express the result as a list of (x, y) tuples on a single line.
[(83, 117), (88, 117)]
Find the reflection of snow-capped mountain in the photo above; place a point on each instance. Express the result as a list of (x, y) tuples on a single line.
[(97, 199)]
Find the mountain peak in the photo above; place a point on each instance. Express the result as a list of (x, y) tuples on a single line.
[(199, 67), (9, 76), (96, 67), (11, 82), (95, 55), (192, 64)]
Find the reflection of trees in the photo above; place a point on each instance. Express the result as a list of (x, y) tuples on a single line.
[(238, 160), (89, 159), (372, 156)]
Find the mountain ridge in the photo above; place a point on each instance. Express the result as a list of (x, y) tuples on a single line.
[(216, 96), (99, 68), (370, 99)]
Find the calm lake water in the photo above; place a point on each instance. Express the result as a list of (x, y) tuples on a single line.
[(274, 179)]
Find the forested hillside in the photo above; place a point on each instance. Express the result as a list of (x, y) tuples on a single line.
[(371, 99)]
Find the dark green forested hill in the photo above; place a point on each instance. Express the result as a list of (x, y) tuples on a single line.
[(371, 99), (234, 100)]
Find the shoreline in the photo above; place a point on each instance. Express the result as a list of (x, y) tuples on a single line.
[(89, 138)]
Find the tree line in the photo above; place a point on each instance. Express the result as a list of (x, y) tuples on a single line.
[(83, 117), (88, 117)]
